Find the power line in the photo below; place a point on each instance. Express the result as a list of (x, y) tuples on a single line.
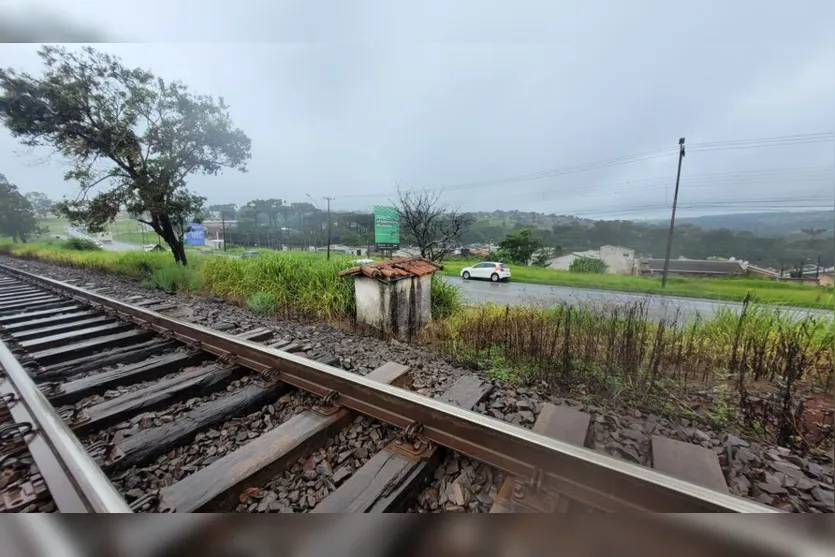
[(774, 141), (658, 207), (750, 178), (799, 137), (547, 173)]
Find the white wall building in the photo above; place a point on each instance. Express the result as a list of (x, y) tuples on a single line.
[(618, 260), (563, 262), (394, 297)]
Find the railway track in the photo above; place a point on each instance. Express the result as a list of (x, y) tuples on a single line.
[(94, 388)]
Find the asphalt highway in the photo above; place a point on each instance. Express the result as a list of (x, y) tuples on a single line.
[(660, 307)]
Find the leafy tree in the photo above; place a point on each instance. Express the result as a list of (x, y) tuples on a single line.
[(41, 204), (543, 257), (813, 232), (229, 210), (519, 246), (286, 211), (17, 218), (133, 139), (649, 240), (587, 265), (436, 231), (270, 208)]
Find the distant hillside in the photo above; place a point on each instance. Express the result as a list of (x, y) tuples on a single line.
[(769, 239), (784, 223)]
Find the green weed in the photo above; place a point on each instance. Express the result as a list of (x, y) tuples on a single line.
[(173, 278), (446, 299), (80, 244), (262, 303)]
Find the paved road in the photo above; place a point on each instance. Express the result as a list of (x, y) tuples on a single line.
[(112, 246), (544, 295)]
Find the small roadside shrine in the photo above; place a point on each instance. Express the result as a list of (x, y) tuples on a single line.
[(395, 296)]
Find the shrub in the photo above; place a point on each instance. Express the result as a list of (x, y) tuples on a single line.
[(587, 265), (81, 244), (302, 283), (262, 303), (446, 299), (172, 278), (618, 351)]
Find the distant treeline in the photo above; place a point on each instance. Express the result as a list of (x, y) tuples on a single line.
[(301, 224), (570, 234)]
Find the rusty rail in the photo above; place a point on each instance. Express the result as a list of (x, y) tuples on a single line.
[(580, 474), (74, 480)]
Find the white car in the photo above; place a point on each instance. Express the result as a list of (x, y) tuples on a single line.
[(487, 270)]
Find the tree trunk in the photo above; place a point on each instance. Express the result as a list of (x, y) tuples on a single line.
[(162, 226)]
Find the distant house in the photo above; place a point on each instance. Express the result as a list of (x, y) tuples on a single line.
[(763, 272), (343, 249), (563, 262), (618, 260), (813, 274), (694, 267)]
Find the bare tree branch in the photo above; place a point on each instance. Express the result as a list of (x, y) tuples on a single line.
[(435, 230)]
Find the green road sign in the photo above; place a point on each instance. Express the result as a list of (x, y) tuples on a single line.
[(386, 227)]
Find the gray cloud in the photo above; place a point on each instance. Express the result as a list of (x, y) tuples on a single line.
[(353, 97)]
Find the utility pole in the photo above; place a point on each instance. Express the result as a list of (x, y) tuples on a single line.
[(672, 216), (329, 199), (223, 228)]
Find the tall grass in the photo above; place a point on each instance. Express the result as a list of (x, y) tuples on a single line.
[(174, 278), (262, 303), (296, 283), (618, 351), (446, 299), (301, 283)]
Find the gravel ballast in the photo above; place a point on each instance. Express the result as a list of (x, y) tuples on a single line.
[(762, 472)]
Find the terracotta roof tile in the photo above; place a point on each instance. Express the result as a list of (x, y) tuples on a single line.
[(395, 269)]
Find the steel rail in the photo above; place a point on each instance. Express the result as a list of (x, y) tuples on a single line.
[(578, 473), (74, 480), (46, 536)]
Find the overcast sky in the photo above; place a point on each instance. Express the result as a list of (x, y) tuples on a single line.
[(348, 99)]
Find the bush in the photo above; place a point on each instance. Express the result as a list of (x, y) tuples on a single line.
[(446, 299), (302, 283), (587, 265), (81, 244), (172, 278), (262, 303)]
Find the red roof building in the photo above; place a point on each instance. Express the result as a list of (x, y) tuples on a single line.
[(394, 297)]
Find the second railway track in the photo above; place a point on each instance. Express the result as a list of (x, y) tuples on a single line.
[(121, 384)]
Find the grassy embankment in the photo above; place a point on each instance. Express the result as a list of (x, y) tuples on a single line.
[(601, 353), (730, 289), (128, 231)]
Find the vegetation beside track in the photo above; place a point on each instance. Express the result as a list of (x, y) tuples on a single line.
[(611, 353), (751, 368), (299, 283)]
